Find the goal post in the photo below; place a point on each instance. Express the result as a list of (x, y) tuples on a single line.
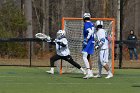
[(74, 34)]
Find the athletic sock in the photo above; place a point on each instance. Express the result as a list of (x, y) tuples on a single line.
[(52, 69), (91, 72), (86, 60), (82, 70), (88, 71), (109, 72)]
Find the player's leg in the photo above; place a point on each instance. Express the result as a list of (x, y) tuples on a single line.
[(90, 63), (89, 60), (71, 61), (89, 73), (108, 71), (86, 60), (104, 61), (53, 59), (99, 69)]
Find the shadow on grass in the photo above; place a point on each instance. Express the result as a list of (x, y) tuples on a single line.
[(135, 85)]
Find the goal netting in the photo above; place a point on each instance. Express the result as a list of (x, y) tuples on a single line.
[(74, 34)]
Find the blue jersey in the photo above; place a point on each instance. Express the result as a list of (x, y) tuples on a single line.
[(88, 27)]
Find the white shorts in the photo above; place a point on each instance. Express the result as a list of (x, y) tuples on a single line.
[(104, 53)]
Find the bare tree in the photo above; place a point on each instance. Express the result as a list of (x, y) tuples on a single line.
[(28, 15)]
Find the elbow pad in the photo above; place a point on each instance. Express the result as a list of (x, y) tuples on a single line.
[(102, 41)]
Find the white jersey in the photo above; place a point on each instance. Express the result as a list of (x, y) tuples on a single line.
[(101, 34), (62, 51)]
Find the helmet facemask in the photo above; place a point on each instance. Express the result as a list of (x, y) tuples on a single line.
[(60, 34)]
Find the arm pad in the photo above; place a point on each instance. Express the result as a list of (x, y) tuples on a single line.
[(90, 32), (102, 41)]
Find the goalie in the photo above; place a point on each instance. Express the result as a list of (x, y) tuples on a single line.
[(62, 52), (102, 44)]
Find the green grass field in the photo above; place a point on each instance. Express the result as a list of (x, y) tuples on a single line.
[(36, 80)]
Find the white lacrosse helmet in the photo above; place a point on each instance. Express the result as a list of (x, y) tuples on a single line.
[(99, 22), (87, 15), (61, 33)]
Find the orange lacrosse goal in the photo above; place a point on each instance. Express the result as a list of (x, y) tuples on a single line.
[(74, 34)]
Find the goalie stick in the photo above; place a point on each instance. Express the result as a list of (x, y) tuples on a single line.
[(43, 36)]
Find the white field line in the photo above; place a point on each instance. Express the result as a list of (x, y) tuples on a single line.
[(87, 83), (126, 77), (136, 83), (79, 83), (17, 83), (16, 77), (7, 76)]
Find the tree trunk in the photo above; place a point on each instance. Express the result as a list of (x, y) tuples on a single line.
[(83, 7), (46, 21), (44, 24), (28, 15)]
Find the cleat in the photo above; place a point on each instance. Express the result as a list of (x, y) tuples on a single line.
[(88, 76), (50, 72), (109, 76)]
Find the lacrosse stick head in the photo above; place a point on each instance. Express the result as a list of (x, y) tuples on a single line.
[(42, 36)]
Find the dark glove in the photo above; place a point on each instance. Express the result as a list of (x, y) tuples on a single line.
[(96, 47), (60, 43)]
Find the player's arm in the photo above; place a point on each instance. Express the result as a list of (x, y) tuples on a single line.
[(101, 40), (100, 43), (90, 32), (51, 41), (62, 42)]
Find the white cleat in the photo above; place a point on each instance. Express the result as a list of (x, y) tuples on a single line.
[(50, 72), (109, 76), (97, 76), (84, 72), (88, 76)]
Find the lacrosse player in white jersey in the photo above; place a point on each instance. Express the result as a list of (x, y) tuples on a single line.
[(88, 44), (62, 52), (102, 45)]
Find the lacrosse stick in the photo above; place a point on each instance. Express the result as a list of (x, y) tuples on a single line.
[(42, 36)]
